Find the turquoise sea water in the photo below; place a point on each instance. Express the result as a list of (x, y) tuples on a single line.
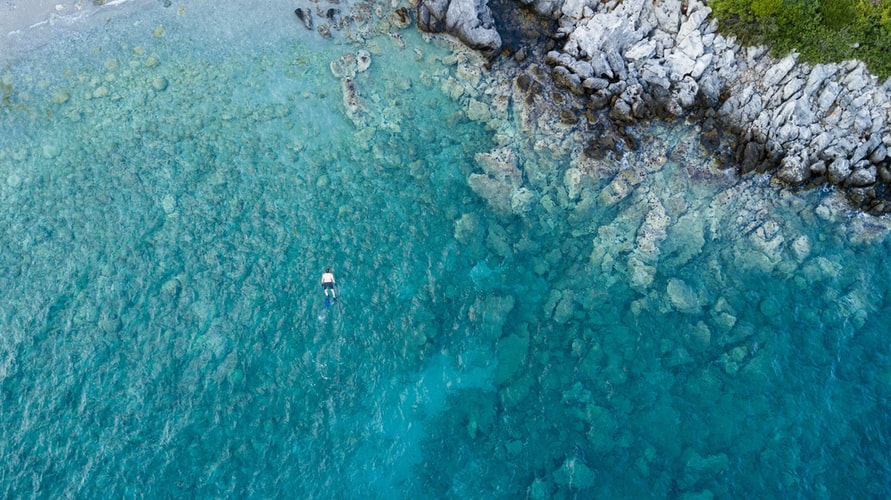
[(174, 182)]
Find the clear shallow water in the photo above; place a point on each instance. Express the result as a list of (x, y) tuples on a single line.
[(163, 332)]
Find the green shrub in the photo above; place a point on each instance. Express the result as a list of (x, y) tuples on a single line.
[(885, 14), (765, 8), (838, 14), (820, 30), (727, 8)]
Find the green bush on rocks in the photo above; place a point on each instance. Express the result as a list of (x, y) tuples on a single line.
[(820, 30)]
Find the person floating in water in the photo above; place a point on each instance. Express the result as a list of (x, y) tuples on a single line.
[(328, 284)]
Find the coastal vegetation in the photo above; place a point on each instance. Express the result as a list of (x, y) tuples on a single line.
[(820, 30)]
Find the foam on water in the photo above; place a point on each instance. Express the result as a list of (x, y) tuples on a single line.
[(174, 182)]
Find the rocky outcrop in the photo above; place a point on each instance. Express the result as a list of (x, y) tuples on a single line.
[(469, 20), (643, 59), (823, 123)]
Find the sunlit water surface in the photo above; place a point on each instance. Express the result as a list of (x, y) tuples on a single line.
[(173, 184)]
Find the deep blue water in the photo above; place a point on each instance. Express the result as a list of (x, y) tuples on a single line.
[(170, 198)]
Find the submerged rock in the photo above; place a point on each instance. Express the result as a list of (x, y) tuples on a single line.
[(467, 228), (621, 186), (501, 183), (512, 351), (351, 99), (305, 15), (681, 297), (346, 65), (490, 314), (400, 18), (575, 474), (160, 83), (363, 61)]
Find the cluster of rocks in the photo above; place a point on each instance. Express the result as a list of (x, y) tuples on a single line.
[(346, 68), (356, 21), (353, 19), (644, 59)]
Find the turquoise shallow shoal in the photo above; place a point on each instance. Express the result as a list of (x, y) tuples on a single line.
[(173, 184)]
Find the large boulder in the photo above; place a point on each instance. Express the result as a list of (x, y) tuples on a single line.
[(469, 20), (793, 170)]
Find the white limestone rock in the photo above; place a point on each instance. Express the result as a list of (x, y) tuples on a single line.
[(655, 73), (668, 15), (839, 170), (793, 170), (472, 22), (778, 71), (641, 51), (862, 177), (469, 20), (694, 20), (680, 64), (685, 92)]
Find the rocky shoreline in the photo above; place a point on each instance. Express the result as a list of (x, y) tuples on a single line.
[(643, 59)]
